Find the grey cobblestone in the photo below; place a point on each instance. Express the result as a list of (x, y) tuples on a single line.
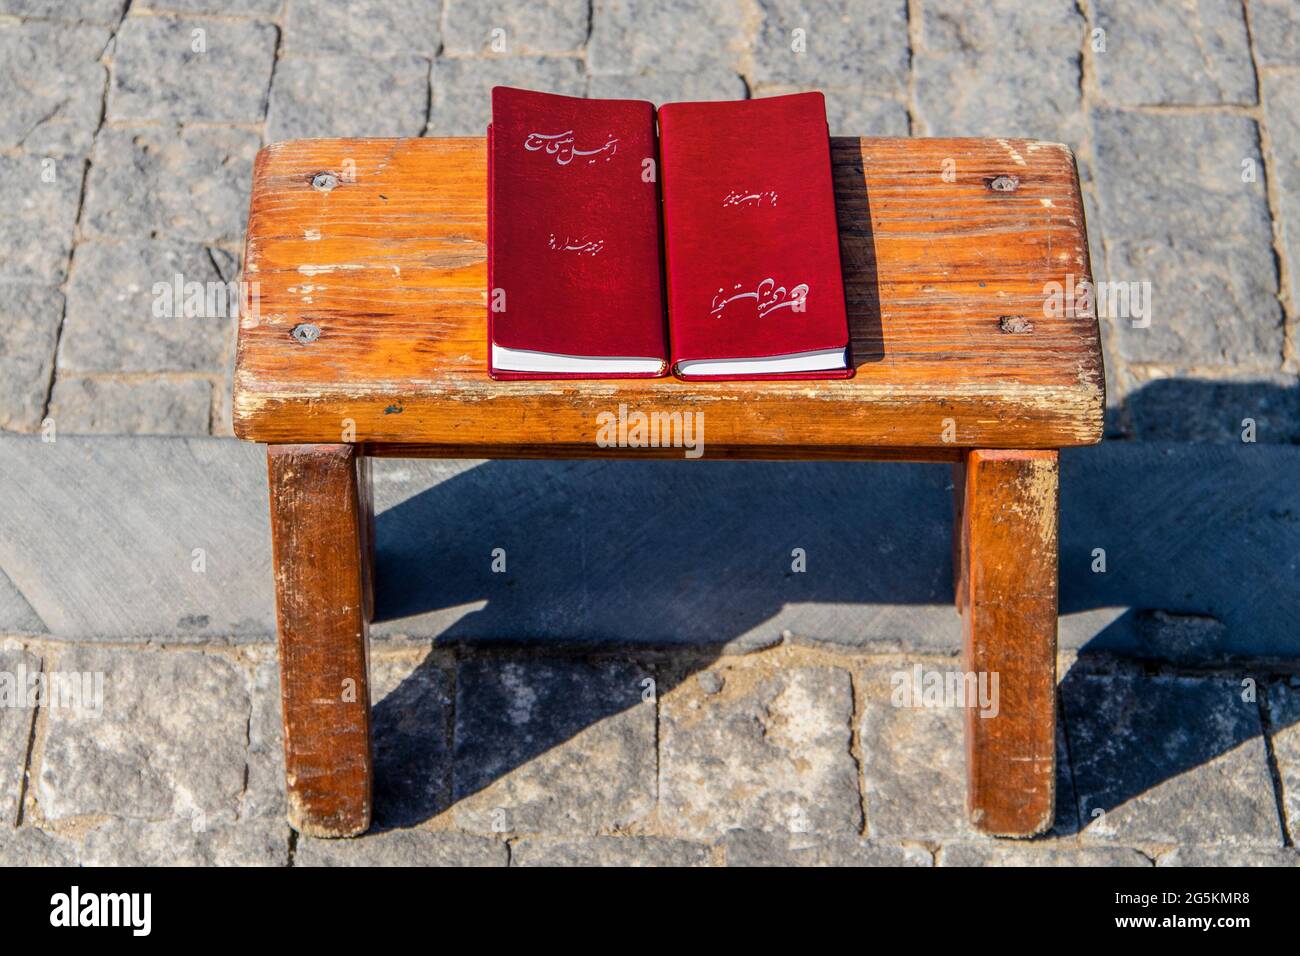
[(609, 851), (403, 848), (914, 767), (159, 75), (552, 747), (53, 84), (781, 742), (1275, 31), (1169, 760), (682, 35), (1003, 68), (1172, 53), (1001, 854), (262, 8), (87, 406), (1178, 214), (462, 104), (27, 846), (93, 11), (348, 96), (556, 26), (842, 45), (363, 27), (187, 843), (412, 708), (755, 848), (38, 210), (167, 181), (170, 742), (264, 789), (1228, 856), (111, 325), (1281, 95), (29, 325)]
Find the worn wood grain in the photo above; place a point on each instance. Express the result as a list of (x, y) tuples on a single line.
[(1008, 577), (318, 538), (389, 268)]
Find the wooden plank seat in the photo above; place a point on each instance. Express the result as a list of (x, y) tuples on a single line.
[(362, 333)]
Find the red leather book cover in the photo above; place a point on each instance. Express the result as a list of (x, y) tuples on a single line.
[(751, 241), (575, 287)]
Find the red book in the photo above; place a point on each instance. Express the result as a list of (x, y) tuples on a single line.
[(575, 287), (754, 284)]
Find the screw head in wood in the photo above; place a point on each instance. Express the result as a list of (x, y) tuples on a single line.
[(324, 181), (1004, 184), (305, 333)]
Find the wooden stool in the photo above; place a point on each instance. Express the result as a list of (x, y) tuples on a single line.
[(363, 335)]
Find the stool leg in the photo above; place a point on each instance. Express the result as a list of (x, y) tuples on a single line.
[(1008, 596), (319, 537)]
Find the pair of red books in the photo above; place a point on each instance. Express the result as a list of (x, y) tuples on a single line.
[(575, 269)]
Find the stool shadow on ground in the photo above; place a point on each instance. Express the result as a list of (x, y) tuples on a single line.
[(628, 560)]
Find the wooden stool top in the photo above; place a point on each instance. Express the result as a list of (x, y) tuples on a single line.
[(367, 262)]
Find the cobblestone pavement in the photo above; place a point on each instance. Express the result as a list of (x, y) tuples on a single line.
[(129, 130), (787, 756)]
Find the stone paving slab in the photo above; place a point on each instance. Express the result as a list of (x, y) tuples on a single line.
[(166, 68), (117, 322), (1169, 760), (88, 406), (839, 45), (38, 211), (1228, 856), (538, 736), (744, 750), (1281, 95), (632, 37), (1177, 213), (363, 27), (30, 316), (609, 851), (101, 537), (179, 843), (1165, 54), (1166, 517), (264, 794), (186, 182), (28, 846), (557, 26), (756, 848), (348, 96), (164, 738), (18, 670), (1275, 32), (411, 729), (914, 763), (403, 848), (985, 854), (552, 746), (53, 83), (1002, 68)]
